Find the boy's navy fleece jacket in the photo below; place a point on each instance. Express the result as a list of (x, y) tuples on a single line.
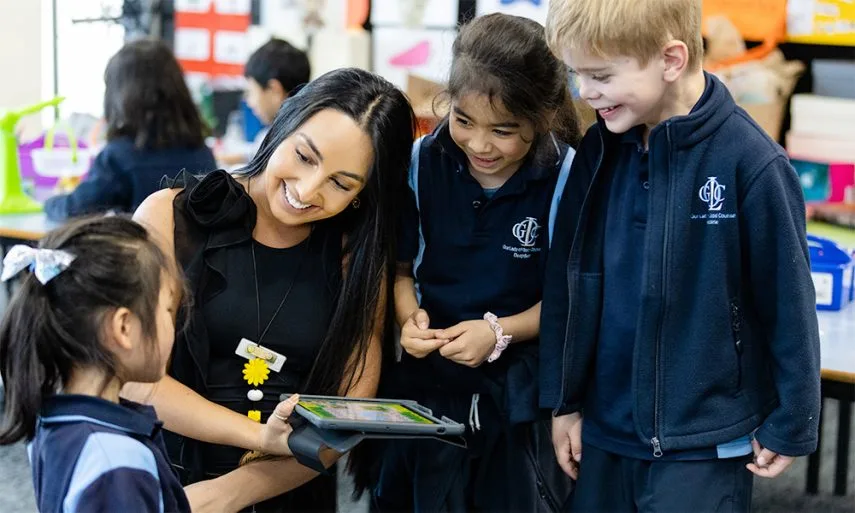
[(727, 337)]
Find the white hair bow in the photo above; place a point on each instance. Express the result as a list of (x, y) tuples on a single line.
[(46, 264)]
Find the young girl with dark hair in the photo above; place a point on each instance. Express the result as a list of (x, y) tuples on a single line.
[(484, 187), (97, 310), (153, 129)]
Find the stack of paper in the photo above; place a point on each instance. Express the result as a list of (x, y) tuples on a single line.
[(822, 129)]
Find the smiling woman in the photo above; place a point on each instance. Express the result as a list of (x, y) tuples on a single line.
[(311, 175), (288, 263)]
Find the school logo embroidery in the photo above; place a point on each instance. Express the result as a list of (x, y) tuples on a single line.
[(712, 193), (527, 231)]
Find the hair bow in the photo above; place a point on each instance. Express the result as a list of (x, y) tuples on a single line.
[(46, 264)]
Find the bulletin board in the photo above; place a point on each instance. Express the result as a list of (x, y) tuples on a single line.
[(210, 37), (413, 38), (830, 22), (400, 52), (414, 13)]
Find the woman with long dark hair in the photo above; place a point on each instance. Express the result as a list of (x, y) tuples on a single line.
[(290, 260)]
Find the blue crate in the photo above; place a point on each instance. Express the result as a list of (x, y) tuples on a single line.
[(852, 285), (833, 272)]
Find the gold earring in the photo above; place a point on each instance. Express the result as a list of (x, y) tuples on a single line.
[(355, 203)]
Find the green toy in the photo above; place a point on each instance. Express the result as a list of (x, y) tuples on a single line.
[(13, 200)]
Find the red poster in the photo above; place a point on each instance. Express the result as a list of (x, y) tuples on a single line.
[(210, 36)]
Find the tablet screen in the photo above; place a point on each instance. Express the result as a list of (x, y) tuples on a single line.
[(366, 412)]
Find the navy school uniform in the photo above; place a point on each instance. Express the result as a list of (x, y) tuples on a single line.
[(91, 455), (712, 344), (612, 451), (473, 251), (123, 175), (609, 422)]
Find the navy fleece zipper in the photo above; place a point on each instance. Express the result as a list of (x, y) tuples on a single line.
[(570, 281)]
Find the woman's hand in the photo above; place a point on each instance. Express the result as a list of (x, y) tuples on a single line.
[(273, 438), (207, 497)]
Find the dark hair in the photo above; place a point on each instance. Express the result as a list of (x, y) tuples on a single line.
[(278, 59), (48, 330), (384, 113), (506, 58), (147, 99)]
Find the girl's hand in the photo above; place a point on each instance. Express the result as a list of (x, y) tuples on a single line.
[(767, 463), (416, 337), (275, 432), (471, 342)]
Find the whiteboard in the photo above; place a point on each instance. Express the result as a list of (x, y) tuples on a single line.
[(425, 53)]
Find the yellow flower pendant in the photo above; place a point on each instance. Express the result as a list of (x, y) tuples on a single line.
[(255, 372)]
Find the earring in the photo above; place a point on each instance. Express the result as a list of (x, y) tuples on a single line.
[(355, 203)]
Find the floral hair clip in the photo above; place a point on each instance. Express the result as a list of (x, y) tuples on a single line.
[(46, 264)]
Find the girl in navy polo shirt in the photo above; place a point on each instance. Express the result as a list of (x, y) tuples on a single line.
[(485, 186), (96, 311)]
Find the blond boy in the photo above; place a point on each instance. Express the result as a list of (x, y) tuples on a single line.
[(680, 350)]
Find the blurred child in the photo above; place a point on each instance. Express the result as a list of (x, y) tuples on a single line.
[(273, 73), (153, 129)]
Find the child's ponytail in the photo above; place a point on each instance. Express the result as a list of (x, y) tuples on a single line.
[(52, 328), (29, 371)]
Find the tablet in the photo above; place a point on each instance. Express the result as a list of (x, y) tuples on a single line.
[(374, 416)]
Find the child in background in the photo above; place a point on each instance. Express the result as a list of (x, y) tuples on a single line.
[(153, 129), (472, 252), (273, 73), (679, 310), (97, 311)]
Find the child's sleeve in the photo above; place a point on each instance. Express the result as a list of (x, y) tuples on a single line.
[(409, 231), (553, 313), (774, 233), (103, 189), (114, 472)]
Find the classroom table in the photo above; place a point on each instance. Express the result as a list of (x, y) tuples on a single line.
[(27, 228), (22, 229), (837, 355), (839, 234)]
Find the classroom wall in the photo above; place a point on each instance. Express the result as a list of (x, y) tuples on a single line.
[(21, 58)]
